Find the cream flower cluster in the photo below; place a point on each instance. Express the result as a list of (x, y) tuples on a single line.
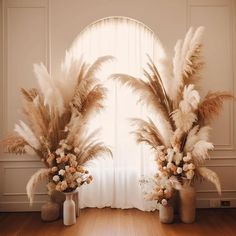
[(174, 168), (66, 174), (171, 162)]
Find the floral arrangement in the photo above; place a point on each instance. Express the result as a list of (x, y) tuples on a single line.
[(179, 132), (57, 115)]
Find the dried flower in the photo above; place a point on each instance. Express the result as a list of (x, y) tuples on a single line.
[(54, 169), (190, 174), (56, 178), (179, 170), (61, 172), (164, 202)]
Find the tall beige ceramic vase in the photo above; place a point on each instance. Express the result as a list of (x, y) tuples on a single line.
[(166, 214), (187, 209), (69, 212)]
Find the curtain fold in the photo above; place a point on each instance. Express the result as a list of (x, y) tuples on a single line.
[(116, 180)]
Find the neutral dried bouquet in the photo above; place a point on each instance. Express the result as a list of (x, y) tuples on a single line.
[(179, 132), (57, 116)]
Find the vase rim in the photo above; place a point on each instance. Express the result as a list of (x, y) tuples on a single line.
[(72, 192)]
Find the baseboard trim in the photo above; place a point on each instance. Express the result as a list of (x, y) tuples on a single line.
[(20, 206), (25, 206), (205, 202)]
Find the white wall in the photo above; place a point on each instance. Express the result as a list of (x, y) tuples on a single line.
[(34, 31)]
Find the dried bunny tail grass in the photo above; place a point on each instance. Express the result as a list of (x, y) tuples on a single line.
[(14, 144), (212, 104), (211, 176), (38, 176)]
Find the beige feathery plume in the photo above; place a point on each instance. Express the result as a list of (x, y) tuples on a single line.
[(211, 176), (147, 132), (187, 61), (14, 144), (150, 94), (92, 102), (49, 88), (96, 66), (38, 176), (200, 151), (91, 151), (29, 95), (25, 132), (183, 120), (212, 104), (37, 115)]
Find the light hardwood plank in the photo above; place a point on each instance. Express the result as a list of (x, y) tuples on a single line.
[(117, 222)]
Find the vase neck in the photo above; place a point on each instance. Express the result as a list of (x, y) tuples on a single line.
[(69, 196)]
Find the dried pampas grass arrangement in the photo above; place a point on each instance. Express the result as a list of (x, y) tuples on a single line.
[(180, 140), (56, 130)]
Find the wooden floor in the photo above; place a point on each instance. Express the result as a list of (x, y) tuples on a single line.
[(116, 222)]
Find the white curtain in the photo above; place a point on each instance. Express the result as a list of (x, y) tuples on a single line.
[(116, 180)]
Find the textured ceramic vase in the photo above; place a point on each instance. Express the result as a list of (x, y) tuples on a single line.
[(69, 212), (187, 209), (50, 211), (166, 214)]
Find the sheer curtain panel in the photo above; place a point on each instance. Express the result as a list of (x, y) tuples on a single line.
[(116, 180)]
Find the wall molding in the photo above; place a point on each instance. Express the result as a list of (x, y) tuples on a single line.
[(230, 5), (25, 4)]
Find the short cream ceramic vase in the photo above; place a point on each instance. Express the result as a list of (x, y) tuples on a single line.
[(166, 214)]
